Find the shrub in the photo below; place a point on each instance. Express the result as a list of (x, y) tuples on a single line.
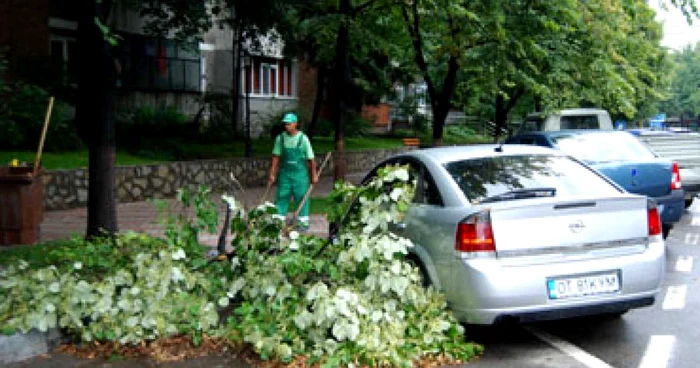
[(356, 126), (218, 127), (22, 119), (149, 130)]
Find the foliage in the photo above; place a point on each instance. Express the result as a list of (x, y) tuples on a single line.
[(355, 126), (22, 116), (684, 96), (152, 130), (217, 128), (128, 290), (354, 301)]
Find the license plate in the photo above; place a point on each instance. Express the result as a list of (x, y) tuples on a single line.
[(584, 285)]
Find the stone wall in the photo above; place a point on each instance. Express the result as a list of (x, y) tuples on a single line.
[(65, 189)]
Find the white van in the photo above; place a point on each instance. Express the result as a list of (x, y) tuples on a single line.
[(567, 119)]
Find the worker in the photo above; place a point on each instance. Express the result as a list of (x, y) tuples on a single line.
[(293, 168)]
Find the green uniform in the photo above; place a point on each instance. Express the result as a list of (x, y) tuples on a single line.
[(293, 177)]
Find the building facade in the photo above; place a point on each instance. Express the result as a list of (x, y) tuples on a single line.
[(39, 37)]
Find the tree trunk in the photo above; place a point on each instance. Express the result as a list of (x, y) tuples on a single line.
[(440, 103), (500, 117), (503, 109), (342, 77), (318, 101), (95, 118), (236, 46)]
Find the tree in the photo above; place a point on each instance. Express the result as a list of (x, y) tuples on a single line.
[(443, 35), (338, 37), (94, 113), (684, 91), (580, 54), (98, 70)]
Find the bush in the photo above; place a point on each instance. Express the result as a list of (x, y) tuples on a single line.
[(22, 118), (356, 126), (218, 127), (147, 130)]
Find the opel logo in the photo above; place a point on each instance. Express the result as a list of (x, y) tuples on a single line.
[(577, 226)]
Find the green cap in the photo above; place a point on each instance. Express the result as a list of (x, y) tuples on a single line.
[(289, 118)]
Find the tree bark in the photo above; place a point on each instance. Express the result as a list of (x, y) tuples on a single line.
[(318, 101), (342, 78), (95, 118), (237, 44), (503, 109)]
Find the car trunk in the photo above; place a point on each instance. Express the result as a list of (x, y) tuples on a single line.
[(651, 178), (584, 227)]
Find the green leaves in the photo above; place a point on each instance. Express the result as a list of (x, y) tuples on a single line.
[(356, 301)]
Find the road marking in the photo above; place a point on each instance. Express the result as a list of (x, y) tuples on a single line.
[(684, 264), (695, 221), (569, 349), (658, 351), (692, 239), (675, 297)]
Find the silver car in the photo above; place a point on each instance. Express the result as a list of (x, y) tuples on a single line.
[(522, 233)]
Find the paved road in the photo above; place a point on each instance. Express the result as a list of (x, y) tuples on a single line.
[(664, 335)]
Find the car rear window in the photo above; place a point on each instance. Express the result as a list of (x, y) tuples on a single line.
[(603, 147), (532, 124), (579, 122), (491, 176)]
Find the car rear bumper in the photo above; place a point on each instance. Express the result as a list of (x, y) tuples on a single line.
[(493, 291), (572, 312), (672, 206)]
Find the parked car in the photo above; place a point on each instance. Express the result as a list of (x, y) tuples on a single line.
[(682, 148), (567, 119), (522, 233), (624, 159)]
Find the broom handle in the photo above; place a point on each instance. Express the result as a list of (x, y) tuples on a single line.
[(43, 135), (311, 187)]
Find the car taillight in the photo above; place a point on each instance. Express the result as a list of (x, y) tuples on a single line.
[(675, 177), (475, 235), (653, 219)]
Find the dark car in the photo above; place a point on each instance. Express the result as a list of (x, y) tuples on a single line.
[(625, 160)]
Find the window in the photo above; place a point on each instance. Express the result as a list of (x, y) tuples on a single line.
[(149, 63), (604, 147), (270, 77), (490, 176), (579, 122), (64, 58)]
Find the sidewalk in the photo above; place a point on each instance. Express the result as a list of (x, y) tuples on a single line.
[(143, 216)]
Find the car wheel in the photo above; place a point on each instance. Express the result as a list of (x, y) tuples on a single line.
[(688, 202), (665, 230)]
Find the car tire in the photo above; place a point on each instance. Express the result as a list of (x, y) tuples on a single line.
[(688, 202), (665, 230)]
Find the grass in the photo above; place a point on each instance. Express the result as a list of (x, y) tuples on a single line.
[(73, 159), (38, 254), (182, 151)]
